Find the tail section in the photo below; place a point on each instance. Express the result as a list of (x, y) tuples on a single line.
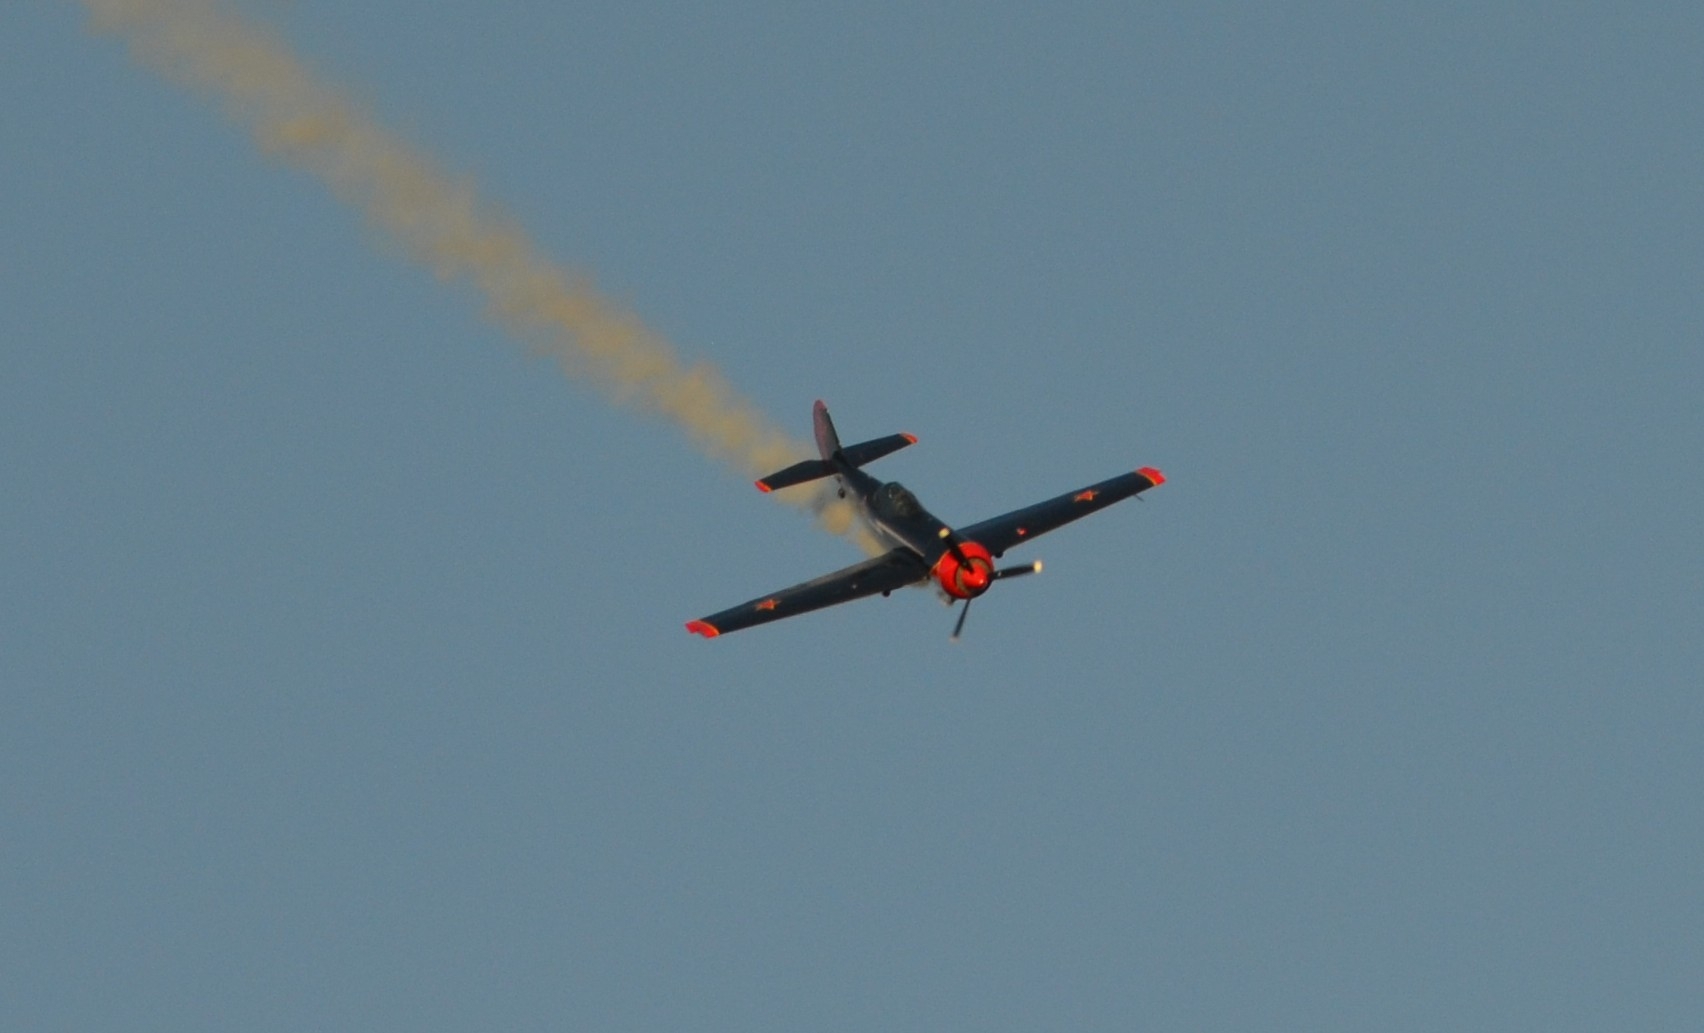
[(828, 443)]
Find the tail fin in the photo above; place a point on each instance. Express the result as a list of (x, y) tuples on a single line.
[(828, 443)]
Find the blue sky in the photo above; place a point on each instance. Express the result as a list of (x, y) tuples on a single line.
[(341, 656)]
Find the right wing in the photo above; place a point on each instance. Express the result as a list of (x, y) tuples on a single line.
[(1020, 525), (886, 572)]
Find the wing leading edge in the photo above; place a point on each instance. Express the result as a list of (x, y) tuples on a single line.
[(1020, 525), (885, 573)]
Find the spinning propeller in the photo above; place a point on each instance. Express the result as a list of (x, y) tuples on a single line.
[(1004, 572)]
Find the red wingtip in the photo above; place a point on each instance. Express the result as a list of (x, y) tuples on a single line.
[(704, 628), (910, 438), (764, 487), (1153, 475)]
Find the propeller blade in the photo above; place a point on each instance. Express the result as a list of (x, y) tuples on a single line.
[(1028, 568), (952, 546), (959, 627)]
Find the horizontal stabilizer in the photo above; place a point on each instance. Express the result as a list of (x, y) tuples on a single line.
[(870, 451), (853, 455), (798, 473)]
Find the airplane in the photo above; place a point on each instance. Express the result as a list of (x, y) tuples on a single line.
[(923, 547)]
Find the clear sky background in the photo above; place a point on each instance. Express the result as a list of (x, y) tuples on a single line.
[(342, 676)]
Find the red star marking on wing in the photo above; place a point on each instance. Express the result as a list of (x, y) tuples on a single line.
[(1087, 495), (769, 604)]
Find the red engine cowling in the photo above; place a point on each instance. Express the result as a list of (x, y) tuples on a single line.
[(967, 573)]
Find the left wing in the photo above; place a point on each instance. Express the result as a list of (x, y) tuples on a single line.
[(886, 572), (1020, 525)]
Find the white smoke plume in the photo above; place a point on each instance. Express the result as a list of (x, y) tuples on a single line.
[(441, 223)]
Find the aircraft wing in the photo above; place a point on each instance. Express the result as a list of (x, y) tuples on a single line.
[(885, 573), (1020, 525)]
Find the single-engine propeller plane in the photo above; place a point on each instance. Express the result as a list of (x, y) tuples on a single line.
[(961, 562)]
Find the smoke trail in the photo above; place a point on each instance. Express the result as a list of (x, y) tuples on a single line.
[(440, 222)]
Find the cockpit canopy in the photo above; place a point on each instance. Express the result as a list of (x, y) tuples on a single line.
[(894, 498)]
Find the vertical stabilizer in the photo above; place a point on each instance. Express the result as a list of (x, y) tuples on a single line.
[(828, 442)]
